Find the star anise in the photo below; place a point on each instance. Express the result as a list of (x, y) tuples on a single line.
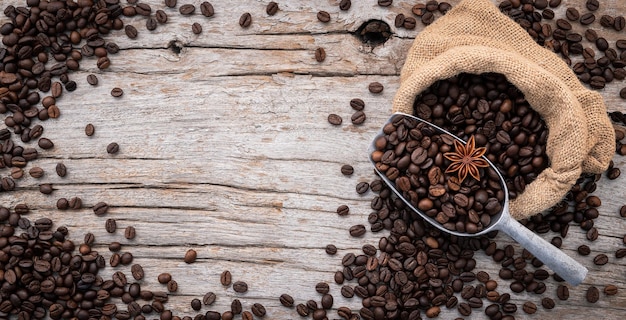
[(466, 159)]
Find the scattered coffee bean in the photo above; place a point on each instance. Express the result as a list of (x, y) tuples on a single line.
[(345, 5), (357, 230), (320, 54), (529, 307), (196, 28), (113, 148), (385, 3), (323, 16), (190, 256), (271, 8), (562, 292), (331, 249), (117, 92), (110, 225), (375, 87), (100, 208), (286, 300), (129, 233), (601, 259), (207, 10), (358, 118), (357, 104), (347, 170), (45, 188), (240, 287), (334, 119), (592, 5), (226, 278), (92, 79), (187, 9), (89, 130), (61, 169), (593, 294), (245, 20), (209, 298), (610, 290), (343, 210)]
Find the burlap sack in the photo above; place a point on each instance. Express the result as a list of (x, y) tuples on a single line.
[(475, 37)]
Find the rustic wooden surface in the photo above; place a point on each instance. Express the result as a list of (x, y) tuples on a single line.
[(225, 149)]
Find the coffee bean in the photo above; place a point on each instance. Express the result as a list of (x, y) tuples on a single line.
[(385, 3), (117, 92), (151, 23), (399, 20), (331, 249), (137, 271), (196, 28), (375, 87), (258, 310), (320, 54), (323, 16), (593, 294), (226, 278), (601, 259), (592, 234), (347, 170), (187, 9), (358, 118), (343, 210), (45, 188), (129, 233), (587, 18), (345, 5), (584, 250), (302, 310), (409, 23), (62, 204), (61, 169), (209, 298), (45, 143), (592, 5), (336, 119), (161, 16), (613, 173), (357, 230), (190, 256), (171, 3), (236, 307), (113, 148), (286, 300), (271, 8), (245, 20), (622, 93), (206, 8), (572, 14), (131, 31), (357, 104), (92, 79), (100, 208), (75, 203), (240, 287), (89, 130), (547, 303), (110, 225), (620, 253), (529, 307), (362, 187), (610, 290)]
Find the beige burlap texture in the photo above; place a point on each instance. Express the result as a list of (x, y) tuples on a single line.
[(475, 37)]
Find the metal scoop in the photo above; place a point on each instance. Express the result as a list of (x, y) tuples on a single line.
[(566, 267)]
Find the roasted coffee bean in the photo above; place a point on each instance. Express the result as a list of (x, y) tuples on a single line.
[(196, 28), (129, 233), (92, 79), (286, 300), (587, 18), (226, 278), (347, 291), (45, 143), (245, 20), (610, 290), (172, 286), (347, 170), (61, 169), (409, 23), (385, 3), (357, 104), (358, 118), (271, 8), (161, 16), (75, 203), (320, 54), (110, 225), (117, 92), (151, 23), (187, 9), (345, 5), (362, 187), (619, 23), (302, 310), (258, 310), (620, 253), (100, 208), (613, 173), (206, 8), (336, 119), (240, 287), (399, 20), (593, 294), (209, 298), (323, 16), (592, 5), (89, 130), (190, 256), (357, 230), (331, 249), (46, 188), (547, 303), (375, 87), (601, 259), (572, 14), (137, 271), (529, 307), (113, 148), (131, 31), (584, 250)]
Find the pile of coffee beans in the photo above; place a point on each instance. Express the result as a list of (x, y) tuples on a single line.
[(495, 112), (410, 154)]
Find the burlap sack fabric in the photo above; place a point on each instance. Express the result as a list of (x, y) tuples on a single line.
[(475, 37)]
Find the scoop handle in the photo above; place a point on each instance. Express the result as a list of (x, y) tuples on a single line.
[(566, 267)]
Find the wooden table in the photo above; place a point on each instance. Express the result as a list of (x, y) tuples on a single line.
[(225, 148)]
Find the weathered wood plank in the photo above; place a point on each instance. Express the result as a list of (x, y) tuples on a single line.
[(225, 148)]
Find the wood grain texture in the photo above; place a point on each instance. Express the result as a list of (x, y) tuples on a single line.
[(225, 148)]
